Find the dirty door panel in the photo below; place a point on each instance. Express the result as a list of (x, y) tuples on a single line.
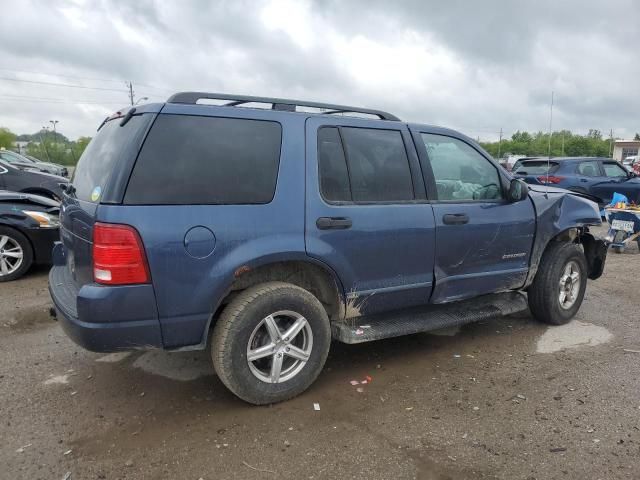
[(371, 223)]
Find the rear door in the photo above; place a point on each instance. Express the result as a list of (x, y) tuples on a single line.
[(588, 174), (483, 242), (367, 216)]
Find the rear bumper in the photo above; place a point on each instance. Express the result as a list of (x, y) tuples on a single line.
[(105, 319)]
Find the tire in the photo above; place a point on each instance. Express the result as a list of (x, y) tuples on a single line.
[(13, 242), (544, 294), (243, 327)]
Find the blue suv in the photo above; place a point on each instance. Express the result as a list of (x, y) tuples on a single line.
[(598, 177), (263, 228)]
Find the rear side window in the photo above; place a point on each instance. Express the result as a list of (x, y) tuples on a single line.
[(372, 167), (589, 169), (207, 160), (111, 143), (536, 168), (334, 176)]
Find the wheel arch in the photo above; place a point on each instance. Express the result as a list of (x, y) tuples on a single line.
[(301, 270)]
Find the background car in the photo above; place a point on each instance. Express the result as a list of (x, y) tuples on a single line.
[(30, 181), (632, 164), (24, 161), (599, 177), (29, 225)]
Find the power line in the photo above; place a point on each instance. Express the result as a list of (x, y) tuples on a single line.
[(96, 79), (56, 100), (67, 85)]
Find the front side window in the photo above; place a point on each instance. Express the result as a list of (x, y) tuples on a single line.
[(614, 170), (589, 169), (460, 172)]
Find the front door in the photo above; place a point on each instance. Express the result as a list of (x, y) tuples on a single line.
[(367, 216), (483, 242), (616, 180)]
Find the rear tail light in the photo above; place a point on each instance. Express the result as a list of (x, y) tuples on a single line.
[(118, 255), (550, 179)]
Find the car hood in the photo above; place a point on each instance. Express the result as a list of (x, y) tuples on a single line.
[(7, 196)]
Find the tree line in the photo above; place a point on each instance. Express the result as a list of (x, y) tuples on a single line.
[(563, 144), (46, 145)]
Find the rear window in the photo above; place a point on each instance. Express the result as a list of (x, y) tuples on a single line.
[(206, 160), (99, 158), (535, 168)]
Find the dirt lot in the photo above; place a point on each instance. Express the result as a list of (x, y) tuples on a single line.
[(509, 399)]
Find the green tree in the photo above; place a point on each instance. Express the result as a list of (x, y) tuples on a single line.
[(7, 138), (637, 137)]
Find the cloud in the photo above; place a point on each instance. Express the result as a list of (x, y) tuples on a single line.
[(474, 66)]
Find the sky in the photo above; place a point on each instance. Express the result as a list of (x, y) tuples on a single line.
[(478, 67)]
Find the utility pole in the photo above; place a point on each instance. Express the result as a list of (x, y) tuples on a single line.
[(53, 122), (130, 86), (611, 142), (43, 143), (563, 143), (500, 144)]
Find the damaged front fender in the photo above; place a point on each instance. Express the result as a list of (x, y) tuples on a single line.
[(561, 215)]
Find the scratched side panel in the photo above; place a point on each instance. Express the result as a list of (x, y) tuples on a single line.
[(489, 254)]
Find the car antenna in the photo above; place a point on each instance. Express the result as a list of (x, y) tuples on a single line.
[(546, 188)]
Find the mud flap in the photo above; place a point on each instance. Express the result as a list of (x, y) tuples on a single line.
[(595, 251)]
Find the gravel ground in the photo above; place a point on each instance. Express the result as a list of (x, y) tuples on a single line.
[(508, 399)]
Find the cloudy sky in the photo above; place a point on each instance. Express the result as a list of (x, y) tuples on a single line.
[(474, 66)]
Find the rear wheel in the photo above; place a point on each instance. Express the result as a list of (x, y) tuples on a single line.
[(271, 342), (16, 254), (558, 289)]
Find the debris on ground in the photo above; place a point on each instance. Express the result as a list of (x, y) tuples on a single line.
[(558, 449), (67, 476), (257, 469), (21, 449), (354, 382), (629, 350), (316, 407), (68, 452)]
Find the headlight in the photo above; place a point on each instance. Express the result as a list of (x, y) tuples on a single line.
[(44, 219)]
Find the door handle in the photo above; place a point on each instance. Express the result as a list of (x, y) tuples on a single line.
[(333, 223), (584, 180), (455, 219)]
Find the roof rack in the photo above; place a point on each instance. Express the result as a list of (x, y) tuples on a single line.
[(282, 104)]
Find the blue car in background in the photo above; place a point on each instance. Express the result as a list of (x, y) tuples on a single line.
[(598, 177)]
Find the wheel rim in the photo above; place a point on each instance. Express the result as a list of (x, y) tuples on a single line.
[(569, 285), (11, 255), (279, 347)]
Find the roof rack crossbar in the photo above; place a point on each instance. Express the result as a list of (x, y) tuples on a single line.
[(277, 103)]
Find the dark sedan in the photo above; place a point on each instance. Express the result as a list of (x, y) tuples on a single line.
[(26, 161), (29, 225), (29, 181), (598, 177)]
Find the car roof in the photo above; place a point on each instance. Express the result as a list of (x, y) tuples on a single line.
[(566, 159)]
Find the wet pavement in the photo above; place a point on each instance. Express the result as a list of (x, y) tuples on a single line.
[(508, 399)]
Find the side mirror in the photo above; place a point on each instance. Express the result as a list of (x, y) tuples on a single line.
[(518, 191)]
